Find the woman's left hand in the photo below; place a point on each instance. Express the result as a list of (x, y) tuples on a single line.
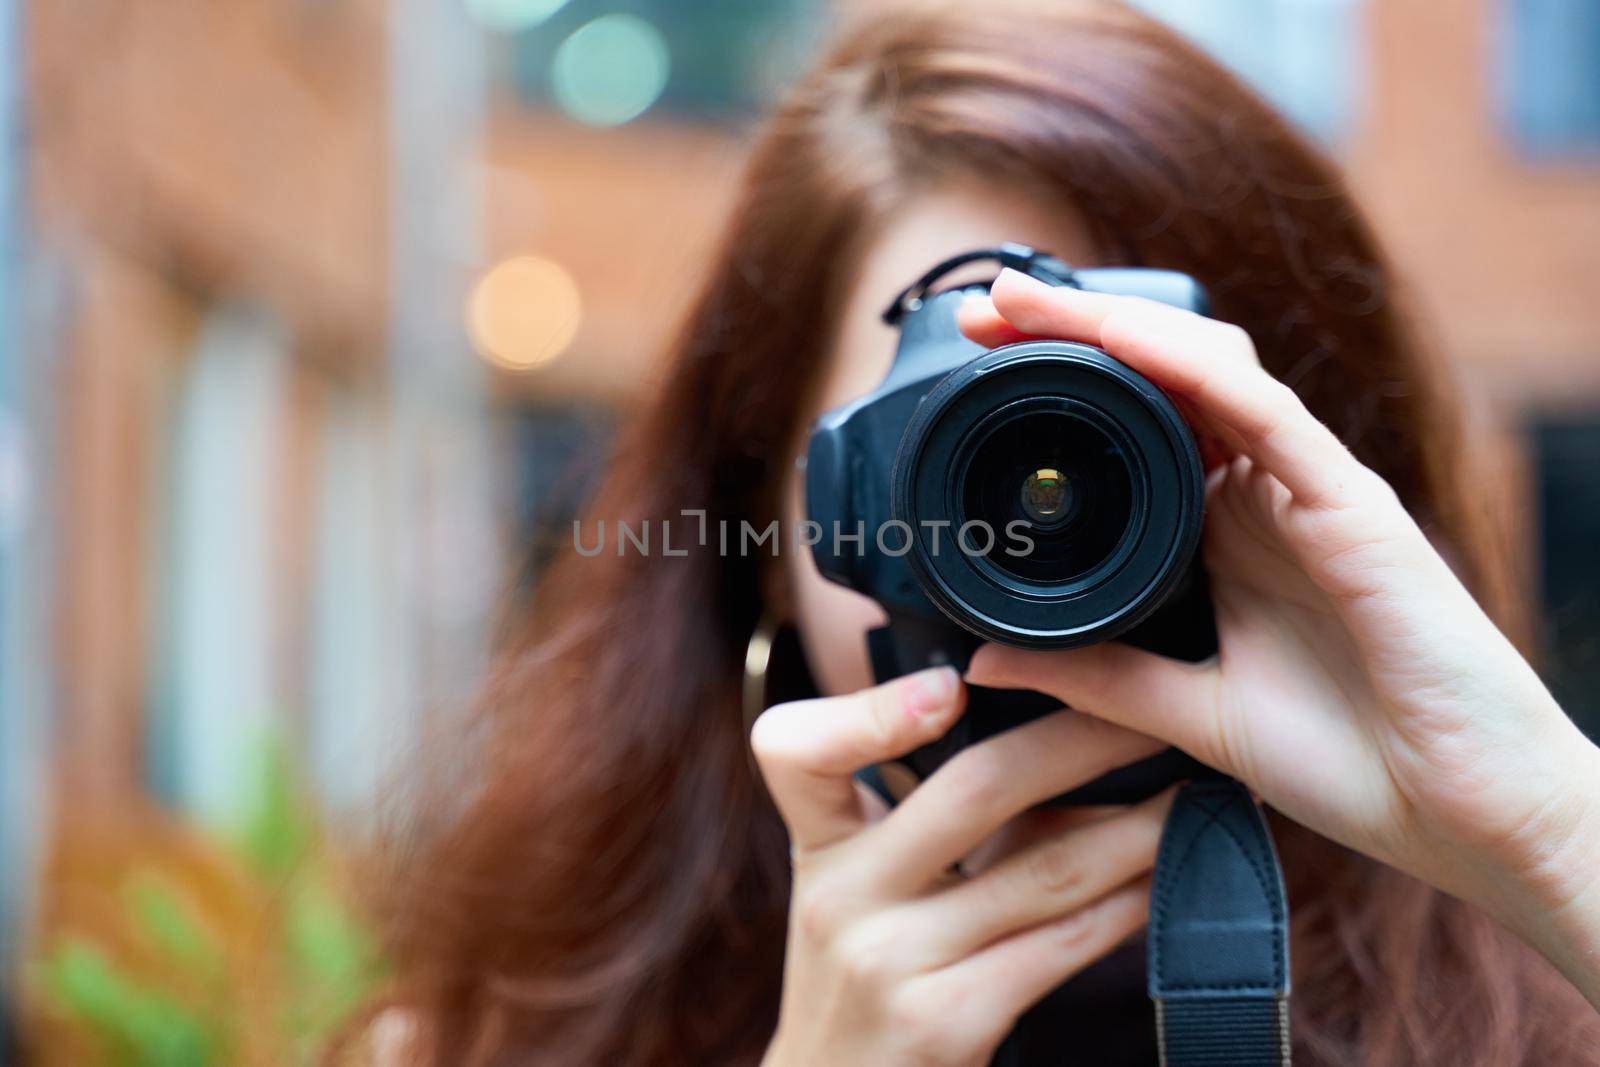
[(1359, 688)]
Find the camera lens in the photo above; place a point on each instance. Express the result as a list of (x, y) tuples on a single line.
[(1046, 496), (1054, 495), (1075, 500)]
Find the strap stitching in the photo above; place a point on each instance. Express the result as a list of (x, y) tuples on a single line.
[(1229, 795), (1213, 816)]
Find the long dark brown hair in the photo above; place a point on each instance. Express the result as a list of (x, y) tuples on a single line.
[(608, 883)]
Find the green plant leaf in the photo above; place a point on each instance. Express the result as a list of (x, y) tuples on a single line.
[(278, 830), (138, 1027), (167, 922)]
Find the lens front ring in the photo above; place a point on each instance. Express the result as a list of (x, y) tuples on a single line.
[(998, 599)]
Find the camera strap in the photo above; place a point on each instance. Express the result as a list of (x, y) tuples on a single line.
[(1046, 268), (1218, 941)]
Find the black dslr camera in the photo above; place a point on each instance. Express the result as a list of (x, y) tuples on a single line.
[(1040, 494)]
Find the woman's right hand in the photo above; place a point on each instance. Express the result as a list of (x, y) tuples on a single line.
[(893, 958)]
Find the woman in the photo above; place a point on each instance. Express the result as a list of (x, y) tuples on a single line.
[(613, 882)]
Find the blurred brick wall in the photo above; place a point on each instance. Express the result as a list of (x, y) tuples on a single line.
[(1503, 253), (183, 152)]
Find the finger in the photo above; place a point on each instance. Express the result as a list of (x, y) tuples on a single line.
[(968, 798), (808, 750), (1165, 698), (1215, 447), (980, 322), (1046, 820), (1211, 365), (1000, 982), (1042, 310), (1051, 878), (977, 318)]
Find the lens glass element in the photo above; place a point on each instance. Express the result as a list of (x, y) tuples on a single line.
[(1062, 476), (1046, 494)]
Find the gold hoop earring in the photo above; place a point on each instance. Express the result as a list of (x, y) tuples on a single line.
[(753, 691), (757, 661)]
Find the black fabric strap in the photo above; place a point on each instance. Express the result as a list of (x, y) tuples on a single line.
[(1219, 933), (1218, 940)]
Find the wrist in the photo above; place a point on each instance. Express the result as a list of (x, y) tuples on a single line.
[(1554, 900)]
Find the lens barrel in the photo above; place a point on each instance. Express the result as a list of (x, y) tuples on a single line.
[(1054, 494)]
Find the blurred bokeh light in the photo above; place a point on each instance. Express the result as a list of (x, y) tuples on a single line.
[(610, 71), (523, 312)]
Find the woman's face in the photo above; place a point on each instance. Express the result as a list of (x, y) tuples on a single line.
[(832, 620)]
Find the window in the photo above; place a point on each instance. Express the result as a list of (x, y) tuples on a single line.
[(1567, 461), (1303, 55), (218, 689), (606, 63), (1549, 76)]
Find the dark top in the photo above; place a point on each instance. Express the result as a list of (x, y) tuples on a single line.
[(1102, 1016)]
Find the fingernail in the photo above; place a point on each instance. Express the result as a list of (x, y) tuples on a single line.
[(978, 665), (1021, 278), (928, 692)]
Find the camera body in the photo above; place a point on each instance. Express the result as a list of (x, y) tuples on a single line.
[(1041, 495)]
